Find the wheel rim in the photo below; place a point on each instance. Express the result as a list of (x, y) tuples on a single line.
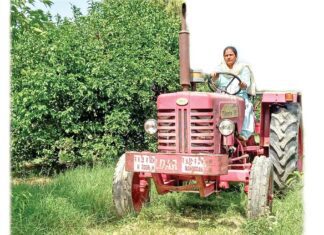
[(140, 191)]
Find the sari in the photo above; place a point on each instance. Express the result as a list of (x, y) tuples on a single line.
[(244, 72)]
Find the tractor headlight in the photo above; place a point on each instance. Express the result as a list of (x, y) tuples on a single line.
[(226, 127), (150, 126)]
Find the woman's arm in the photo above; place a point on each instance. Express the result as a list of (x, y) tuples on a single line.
[(245, 77)]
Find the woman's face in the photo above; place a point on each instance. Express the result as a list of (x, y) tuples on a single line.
[(229, 58)]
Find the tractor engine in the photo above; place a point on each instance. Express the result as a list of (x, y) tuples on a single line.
[(193, 122)]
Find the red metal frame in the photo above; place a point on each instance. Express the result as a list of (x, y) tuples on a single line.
[(279, 98), (140, 190)]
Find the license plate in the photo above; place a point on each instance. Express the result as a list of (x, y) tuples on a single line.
[(177, 163)]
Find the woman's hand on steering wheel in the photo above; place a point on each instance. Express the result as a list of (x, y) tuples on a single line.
[(212, 83)]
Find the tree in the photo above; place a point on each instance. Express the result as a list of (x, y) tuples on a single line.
[(82, 89), (23, 17)]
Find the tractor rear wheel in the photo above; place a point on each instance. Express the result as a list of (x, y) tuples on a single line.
[(130, 189), (283, 151), (260, 192)]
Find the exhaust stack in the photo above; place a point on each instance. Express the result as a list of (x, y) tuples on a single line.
[(184, 52)]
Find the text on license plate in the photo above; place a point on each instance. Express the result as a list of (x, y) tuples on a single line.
[(151, 163)]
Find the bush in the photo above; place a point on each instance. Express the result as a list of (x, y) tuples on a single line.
[(82, 88)]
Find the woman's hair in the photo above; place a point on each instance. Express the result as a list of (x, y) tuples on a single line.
[(232, 48)]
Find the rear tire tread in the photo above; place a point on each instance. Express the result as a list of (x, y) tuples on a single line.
[(283, 150)]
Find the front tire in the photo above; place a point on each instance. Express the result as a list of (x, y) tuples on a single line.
[(260, 192), (130, 189)]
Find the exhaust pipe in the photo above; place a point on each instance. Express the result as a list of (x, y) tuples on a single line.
[(184, 52)]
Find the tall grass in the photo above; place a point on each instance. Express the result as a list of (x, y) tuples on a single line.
[(69, 204), (80, 202)]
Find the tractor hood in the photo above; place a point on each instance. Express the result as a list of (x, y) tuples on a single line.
[(192, 114)]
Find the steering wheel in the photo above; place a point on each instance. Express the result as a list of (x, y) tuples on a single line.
[(213, 86)]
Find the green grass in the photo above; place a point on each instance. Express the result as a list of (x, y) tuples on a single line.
[(80, 202), (70, 204)]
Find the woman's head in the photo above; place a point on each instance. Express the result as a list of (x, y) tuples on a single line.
[(230, 56)]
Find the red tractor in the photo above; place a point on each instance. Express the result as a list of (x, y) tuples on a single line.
[(199, 150)]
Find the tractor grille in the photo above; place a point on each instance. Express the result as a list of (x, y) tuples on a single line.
[(202, 131), (167, 131), (186, 132)]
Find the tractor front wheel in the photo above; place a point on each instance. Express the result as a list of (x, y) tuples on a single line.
[(131, 190), (260, 192)]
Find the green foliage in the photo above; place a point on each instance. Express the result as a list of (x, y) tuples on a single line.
[(82, 89), (172, 6), (24, 18), (257, 100)]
